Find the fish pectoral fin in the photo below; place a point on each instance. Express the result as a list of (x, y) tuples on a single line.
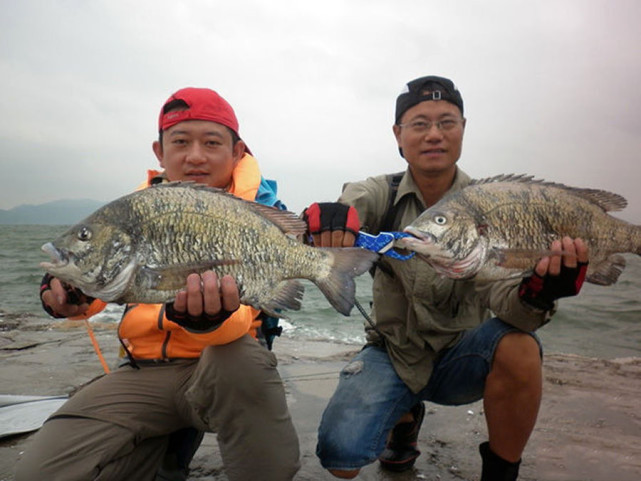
[(168, 278), (287, 295), (606, 272)]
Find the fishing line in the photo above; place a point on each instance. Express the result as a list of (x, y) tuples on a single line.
[(367, 318)]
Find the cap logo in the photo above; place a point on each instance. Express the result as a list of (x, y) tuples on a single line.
[(427, 88)]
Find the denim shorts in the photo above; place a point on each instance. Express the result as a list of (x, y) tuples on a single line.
[(371, 397)]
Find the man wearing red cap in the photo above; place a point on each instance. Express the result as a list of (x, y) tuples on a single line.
[(191, 365), (435, 339)]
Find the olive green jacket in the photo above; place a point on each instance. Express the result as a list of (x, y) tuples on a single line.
[(418, 312)]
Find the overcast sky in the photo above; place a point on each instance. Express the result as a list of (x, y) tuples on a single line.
[(551, 88)]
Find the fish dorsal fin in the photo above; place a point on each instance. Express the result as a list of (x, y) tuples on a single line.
[(286, 221), (607, 201)]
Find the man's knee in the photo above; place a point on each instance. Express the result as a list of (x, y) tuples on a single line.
[(517, 355), (50, 461), (48, 456), (72, 448), (334, 449), (26, 470)]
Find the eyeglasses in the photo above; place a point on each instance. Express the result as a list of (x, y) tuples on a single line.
[(424, 126)]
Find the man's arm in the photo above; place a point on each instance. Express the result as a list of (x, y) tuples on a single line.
[(528, 304), (332, 224), (201, 306), (361, 206), (558, 275), (61, 300)]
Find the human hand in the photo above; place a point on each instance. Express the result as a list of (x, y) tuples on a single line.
[(559, 275), (332, 224), (205, 303), (62, 300)]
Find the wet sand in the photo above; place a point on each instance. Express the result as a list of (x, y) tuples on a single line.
[(589, 426)]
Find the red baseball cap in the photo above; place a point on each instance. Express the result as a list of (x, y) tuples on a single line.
[(202, 104)]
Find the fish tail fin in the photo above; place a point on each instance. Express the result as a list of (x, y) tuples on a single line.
[(338, 287)]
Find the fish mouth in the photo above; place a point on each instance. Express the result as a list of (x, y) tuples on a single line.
[(423, 236), (419, 242), (442, 261), (59, 259)]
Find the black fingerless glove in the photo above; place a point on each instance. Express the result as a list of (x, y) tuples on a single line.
[(200, 324), (74, 295), (541, 292), (330, 216)]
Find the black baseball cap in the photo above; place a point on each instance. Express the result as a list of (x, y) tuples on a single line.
[(427, 88)]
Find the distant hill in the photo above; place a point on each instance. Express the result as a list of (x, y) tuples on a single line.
[(57, 212)]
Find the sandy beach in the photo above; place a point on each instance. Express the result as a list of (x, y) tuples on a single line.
[(589, 427)]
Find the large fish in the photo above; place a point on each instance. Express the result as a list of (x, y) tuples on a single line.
[(140, 248), (498, 228)]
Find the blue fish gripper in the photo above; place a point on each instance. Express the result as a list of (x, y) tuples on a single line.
[(382, 243)]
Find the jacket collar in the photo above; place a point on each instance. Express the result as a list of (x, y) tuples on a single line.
[(245, 178), (407, 186)]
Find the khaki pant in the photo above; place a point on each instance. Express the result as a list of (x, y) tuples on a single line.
[(117, 427)]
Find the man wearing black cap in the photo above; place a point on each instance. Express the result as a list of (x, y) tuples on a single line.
[(434, 339)]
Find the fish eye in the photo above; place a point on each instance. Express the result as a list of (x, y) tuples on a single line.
[(440, 219), (84, 234)]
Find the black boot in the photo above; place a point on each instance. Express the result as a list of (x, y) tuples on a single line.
[(496, 468), (400, 453)]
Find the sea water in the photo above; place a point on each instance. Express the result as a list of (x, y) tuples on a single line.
[(602, 322)]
